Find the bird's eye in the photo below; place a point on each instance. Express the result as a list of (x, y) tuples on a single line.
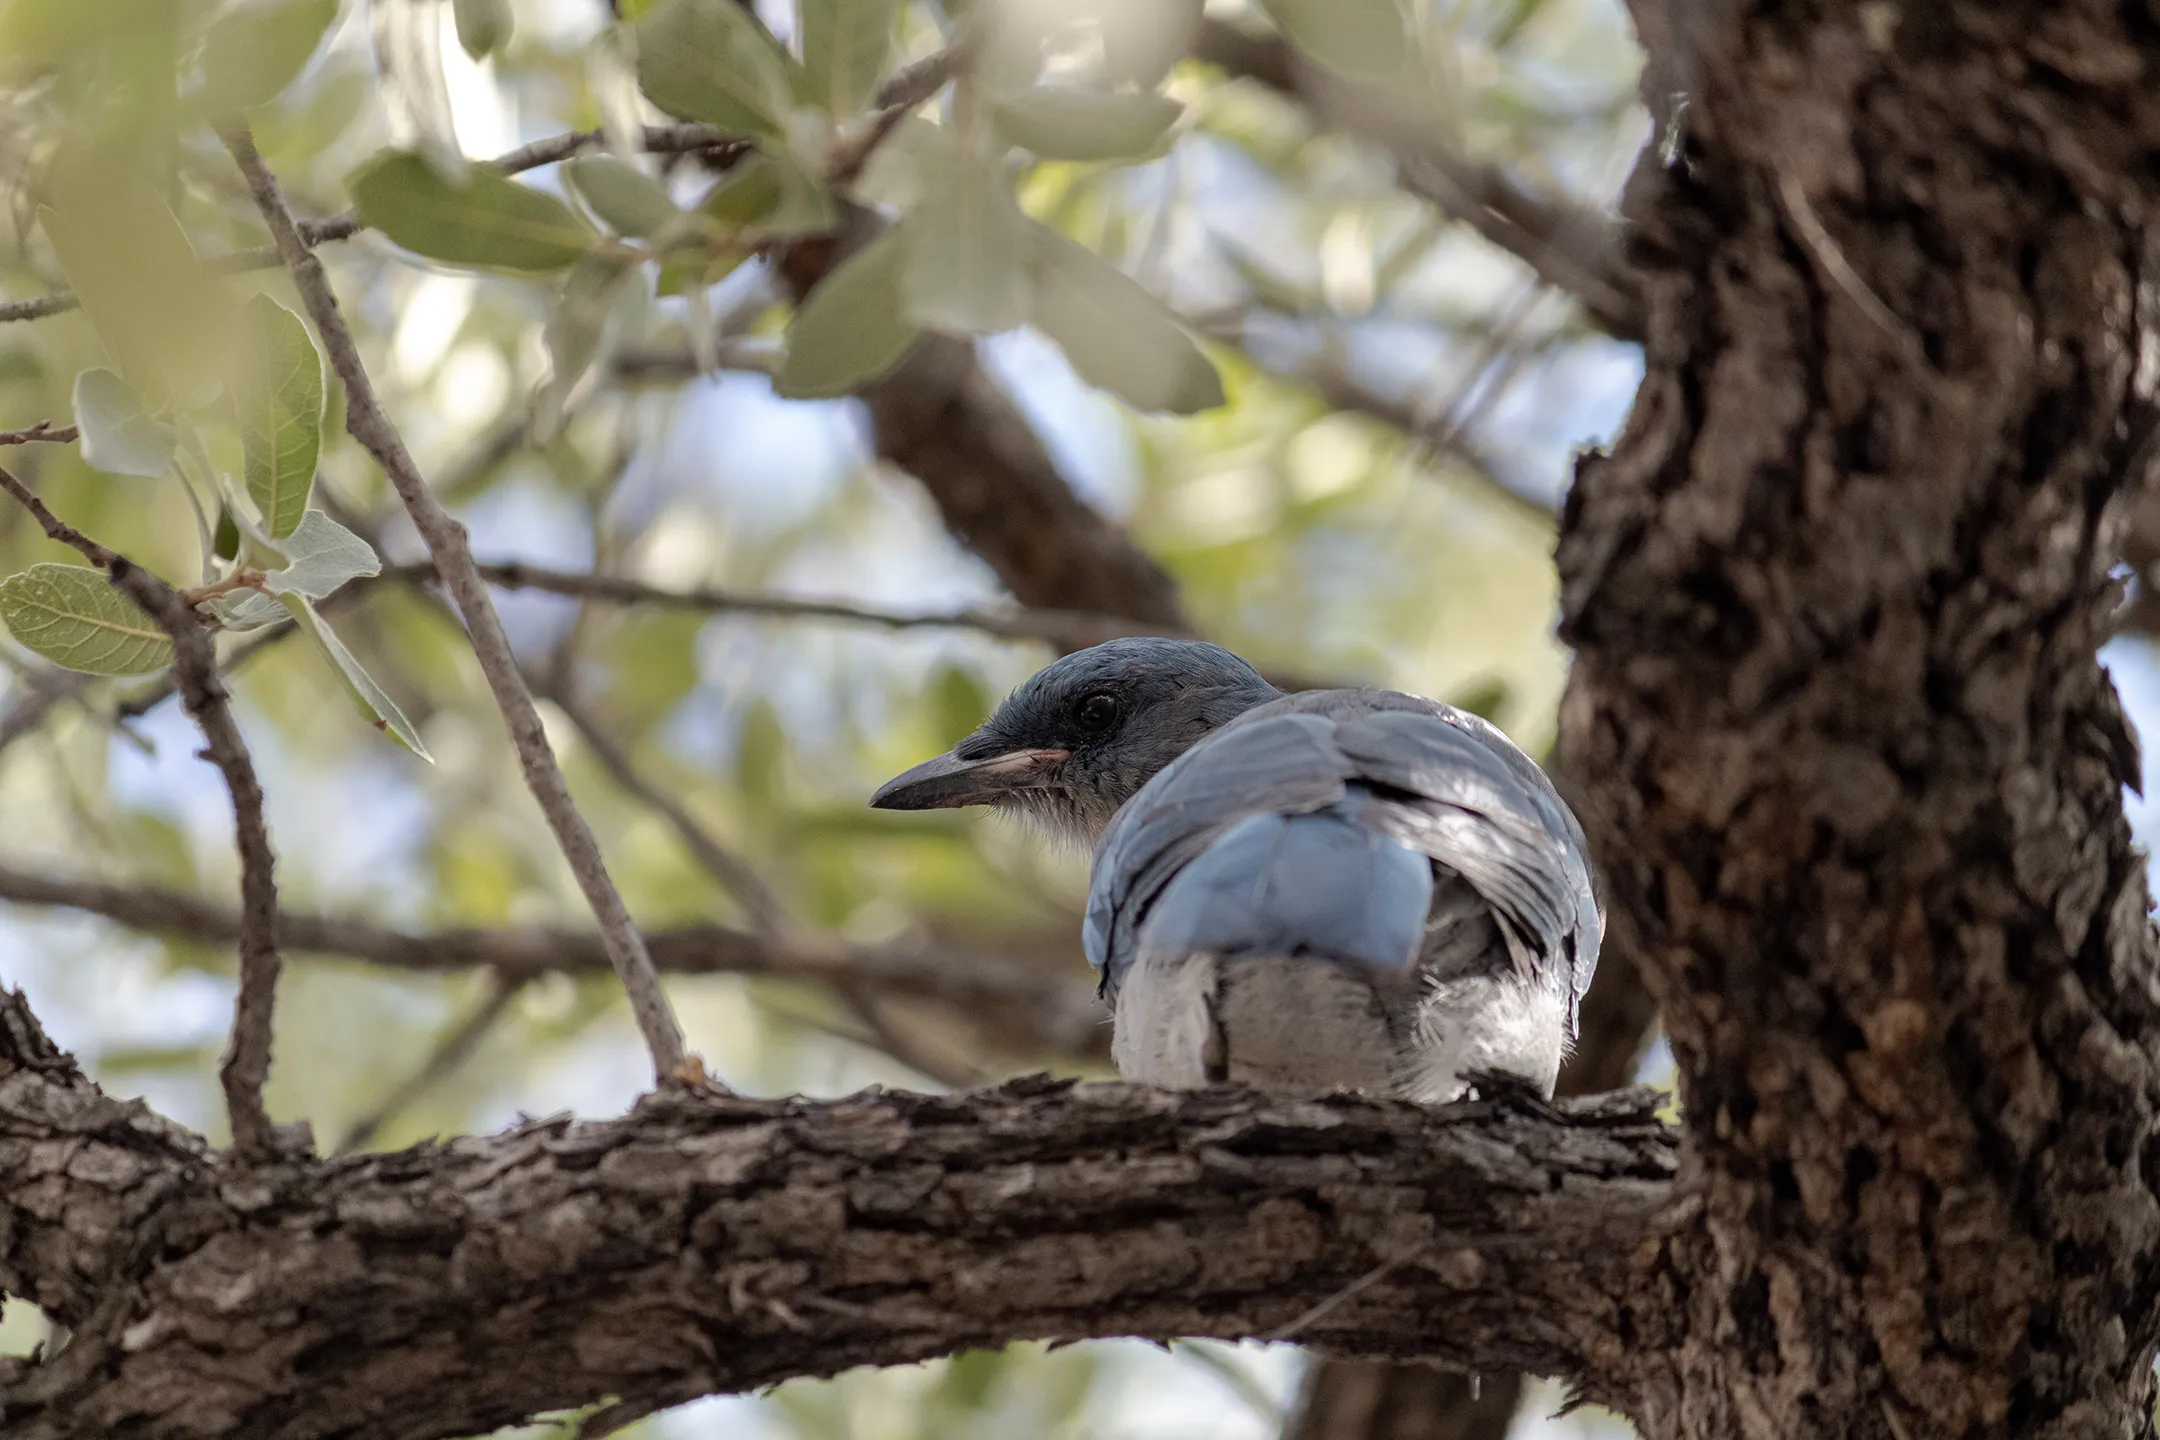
[(1097, 712)]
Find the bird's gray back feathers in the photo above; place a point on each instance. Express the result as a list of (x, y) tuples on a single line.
[(1358, 826)]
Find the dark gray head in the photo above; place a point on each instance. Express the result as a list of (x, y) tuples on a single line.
[(1080, 738)]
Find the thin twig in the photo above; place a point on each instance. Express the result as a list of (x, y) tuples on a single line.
[(1060, 1013), (43, 430), (897, 98), (55, 528), (247, 1058), (453, 1051), (1075, 629), (447, 546)]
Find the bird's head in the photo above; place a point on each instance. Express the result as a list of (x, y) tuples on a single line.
[(1079, 738)]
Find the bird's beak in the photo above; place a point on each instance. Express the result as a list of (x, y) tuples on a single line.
[(948, 780)]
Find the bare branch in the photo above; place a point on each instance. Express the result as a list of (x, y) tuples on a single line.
[(43, 430), (247, 1059), (1055, 1014), (904, 90), (447, 546), (1067, 629), (707, 1243)]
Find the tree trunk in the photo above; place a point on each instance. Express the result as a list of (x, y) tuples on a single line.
[(1845, 754)]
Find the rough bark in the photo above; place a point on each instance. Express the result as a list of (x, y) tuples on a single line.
[(709, 1243), (1844, 751)]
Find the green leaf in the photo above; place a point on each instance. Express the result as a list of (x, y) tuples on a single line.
[(1065, 124), (376, 707), (253, 52), (139, 282), (246, 610), (490, 221), (850, 328), (278, 398), (686, 270), (774, 198), (320, 556), (71, 615), (227, 543), (845, 46), (1359, 38), (966, 267), (624, 196), (1114, 333), (711, 60), (483, 26), (118, 436)]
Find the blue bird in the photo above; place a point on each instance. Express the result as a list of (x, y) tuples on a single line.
[(1351, 889)]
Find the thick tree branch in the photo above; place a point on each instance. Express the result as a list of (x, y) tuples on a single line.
[(448, 548), (708, 1243), (246, 1065), (81, 1177), (1059, 1015)]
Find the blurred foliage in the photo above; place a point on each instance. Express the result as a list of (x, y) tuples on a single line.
[(582, 358)]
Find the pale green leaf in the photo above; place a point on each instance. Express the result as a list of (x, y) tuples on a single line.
[(905, 164), (139, 281), (252, 52), (491, 220), (118, 437), (278, 399), (850, 328), (966, 270), (246, 610), (71, 615), (628, 199), (1058, 123), (845, 47), (320, 556), (377, 708), (1114, 333), (1133, 41), (483, 26), (1359, 38), (773, 198), (711, 60)]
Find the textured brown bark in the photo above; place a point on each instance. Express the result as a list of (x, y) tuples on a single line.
[(711, 1243), (1843, 747)]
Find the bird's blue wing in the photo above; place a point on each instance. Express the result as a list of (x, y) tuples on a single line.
[(1281, 764), (1464, 795), (1323, 883)]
